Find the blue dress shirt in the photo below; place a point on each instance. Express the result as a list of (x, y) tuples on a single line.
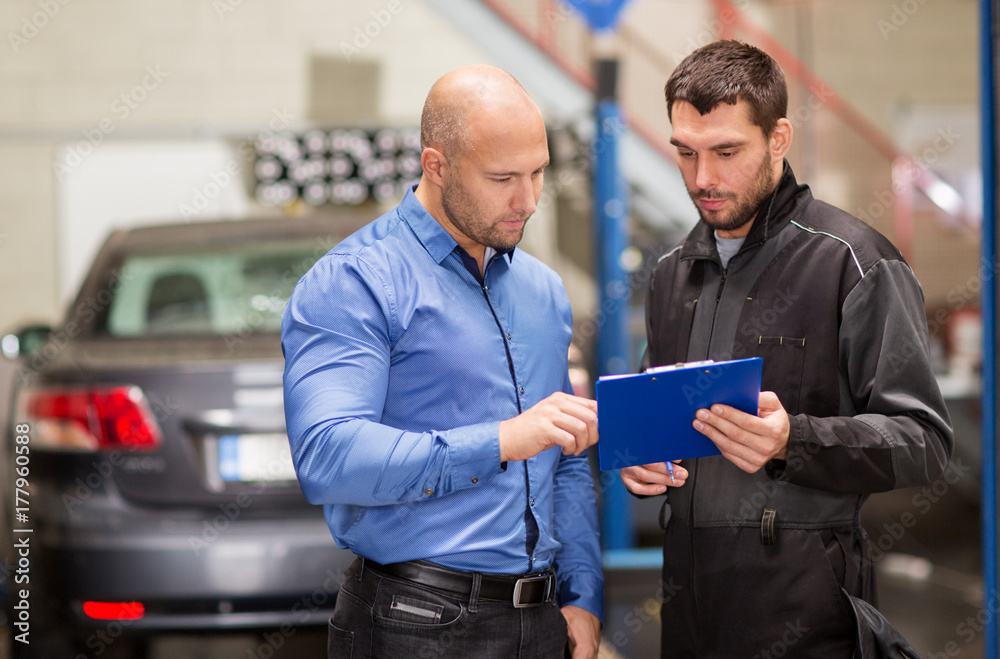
[(400, 363)]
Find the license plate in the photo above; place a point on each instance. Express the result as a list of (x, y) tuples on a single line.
[(263, 457)]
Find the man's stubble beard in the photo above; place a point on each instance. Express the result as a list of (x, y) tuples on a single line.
[(467, 218), (746, 209)]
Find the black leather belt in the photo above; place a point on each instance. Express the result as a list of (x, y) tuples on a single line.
[(526, 591)]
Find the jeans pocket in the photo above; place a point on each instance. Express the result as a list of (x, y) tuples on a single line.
[(411, 609), (339, 643), (414, 622), (415, 611)]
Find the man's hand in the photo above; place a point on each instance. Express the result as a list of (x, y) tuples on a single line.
[(584, 632), (652, 478), (747, 441), (559, 420)]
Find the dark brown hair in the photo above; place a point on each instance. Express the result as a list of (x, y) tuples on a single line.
[(726, 72)]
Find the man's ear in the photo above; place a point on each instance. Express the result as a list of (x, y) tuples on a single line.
[(780, 140), (433, 162)]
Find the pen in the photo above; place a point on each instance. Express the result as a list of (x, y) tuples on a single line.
[(670, 470)]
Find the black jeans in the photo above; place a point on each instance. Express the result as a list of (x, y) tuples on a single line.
[(383, 616)]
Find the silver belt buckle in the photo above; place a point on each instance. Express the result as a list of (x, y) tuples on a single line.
[(547, 578)]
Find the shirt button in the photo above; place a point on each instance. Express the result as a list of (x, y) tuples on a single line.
[(475, 480), (509, 337), (521, 389), (428, 491), (532, 502)]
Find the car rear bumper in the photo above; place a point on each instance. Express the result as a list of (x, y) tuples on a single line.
[(247, 573)]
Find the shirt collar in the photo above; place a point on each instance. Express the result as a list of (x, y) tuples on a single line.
[(429, 231)]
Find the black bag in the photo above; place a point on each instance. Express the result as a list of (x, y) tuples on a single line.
[(876, 638)]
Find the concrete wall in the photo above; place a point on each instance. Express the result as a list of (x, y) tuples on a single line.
[(79, 74)]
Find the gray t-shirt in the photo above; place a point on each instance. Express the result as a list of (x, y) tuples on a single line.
[(727, 248)]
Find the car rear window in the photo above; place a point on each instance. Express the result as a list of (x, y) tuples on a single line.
[(225, 290)]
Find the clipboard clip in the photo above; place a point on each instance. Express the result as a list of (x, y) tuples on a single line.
[(679, 365)]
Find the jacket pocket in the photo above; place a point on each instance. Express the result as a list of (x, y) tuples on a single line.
[(783, 357)]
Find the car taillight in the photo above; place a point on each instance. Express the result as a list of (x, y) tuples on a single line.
[(114, 610), (92, 418)]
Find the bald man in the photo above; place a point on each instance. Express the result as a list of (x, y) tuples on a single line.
[(429, 407)]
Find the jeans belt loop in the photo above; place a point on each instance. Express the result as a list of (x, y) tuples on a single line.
[(477, 580)]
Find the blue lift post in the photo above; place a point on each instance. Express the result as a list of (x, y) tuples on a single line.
[(610, 235), (988, 157)]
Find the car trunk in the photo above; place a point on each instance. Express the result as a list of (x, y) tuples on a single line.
[(217, 402)]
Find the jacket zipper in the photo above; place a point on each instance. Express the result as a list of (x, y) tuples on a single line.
[(715, 312), (694, 569), (517, 399), (694, 480)]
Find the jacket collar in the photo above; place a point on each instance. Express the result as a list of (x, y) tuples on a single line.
[(774, 214)]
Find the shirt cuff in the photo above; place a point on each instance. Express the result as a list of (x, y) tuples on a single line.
[(585, 591), (474, 454)]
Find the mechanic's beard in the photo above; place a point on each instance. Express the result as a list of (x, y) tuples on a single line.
[(747, 207)]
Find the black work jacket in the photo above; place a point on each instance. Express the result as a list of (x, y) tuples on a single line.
[(838, 318)]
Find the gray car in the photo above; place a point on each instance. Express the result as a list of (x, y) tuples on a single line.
[(151, 486)]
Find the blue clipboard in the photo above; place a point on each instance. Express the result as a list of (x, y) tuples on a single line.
[(646, 417)]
